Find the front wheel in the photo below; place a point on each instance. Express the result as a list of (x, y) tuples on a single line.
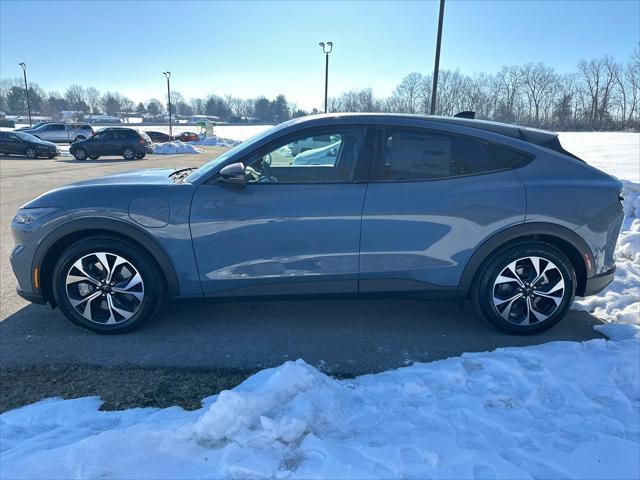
[(107, 285), (31, 153), (80, 154), (526, 288)]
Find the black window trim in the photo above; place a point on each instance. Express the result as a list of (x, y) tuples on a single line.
[(363, 162), (377, 154)]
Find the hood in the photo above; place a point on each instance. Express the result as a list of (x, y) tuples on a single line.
[(43, 143), (157, 176)]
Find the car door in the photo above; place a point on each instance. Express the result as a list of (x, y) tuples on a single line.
[(433, 198), (11, 144), (292, 229)]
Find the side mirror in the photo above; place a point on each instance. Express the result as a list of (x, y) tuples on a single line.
[(234, 174)]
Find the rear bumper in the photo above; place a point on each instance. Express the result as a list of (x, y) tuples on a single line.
[(598, 283)]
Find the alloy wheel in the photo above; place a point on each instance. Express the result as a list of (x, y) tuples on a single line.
[(31, 153), (104, 288), (528, 290), (128, 154)]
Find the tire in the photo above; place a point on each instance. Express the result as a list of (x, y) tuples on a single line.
[(80, 154), (128, 153), (505, 295), (31, 153), (94, 157), (140, 156), (109, 311), (51, 156)]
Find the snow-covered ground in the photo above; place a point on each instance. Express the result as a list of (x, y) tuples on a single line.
[(559, 410)]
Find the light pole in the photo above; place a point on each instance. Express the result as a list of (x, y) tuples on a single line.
[(26, 89), (168, 75), (436, 68), (326, 48)]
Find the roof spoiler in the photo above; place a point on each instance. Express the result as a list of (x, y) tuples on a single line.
[(466, 114)]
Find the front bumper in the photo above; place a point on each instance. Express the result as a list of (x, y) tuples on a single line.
[(31, 297), (47, 151), (598, 283)]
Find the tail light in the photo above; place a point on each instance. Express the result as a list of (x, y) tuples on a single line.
[(141, 141)]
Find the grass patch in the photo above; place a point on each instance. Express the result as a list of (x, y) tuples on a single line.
[(119, 388)]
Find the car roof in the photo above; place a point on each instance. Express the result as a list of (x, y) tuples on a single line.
[(531, 135)]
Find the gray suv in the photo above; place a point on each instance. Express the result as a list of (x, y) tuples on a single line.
[(435, 207), (61, 132)]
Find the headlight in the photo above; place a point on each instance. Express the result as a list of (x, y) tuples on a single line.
[(26, 216)]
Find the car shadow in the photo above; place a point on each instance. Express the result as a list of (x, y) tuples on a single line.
[(342, 337), (99, 160)]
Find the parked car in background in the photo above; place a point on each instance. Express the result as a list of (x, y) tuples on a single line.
[(160, 137), (22, 143), (188, 137), (311, 143), (113, 141), (436, 207), (61, 132), (35, 125)]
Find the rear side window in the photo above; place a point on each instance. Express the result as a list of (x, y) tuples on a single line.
[(423, 155), (53, 127)]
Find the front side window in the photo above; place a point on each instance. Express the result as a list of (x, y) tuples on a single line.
[(326, 157), (424, 155)]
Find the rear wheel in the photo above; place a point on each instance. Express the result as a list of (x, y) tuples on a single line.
[(128, 153), (140, 156), (107, 285), (526, 288), (94, 157), (80, 154), (31, 153)]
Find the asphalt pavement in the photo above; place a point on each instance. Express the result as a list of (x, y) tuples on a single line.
[(344, 337)]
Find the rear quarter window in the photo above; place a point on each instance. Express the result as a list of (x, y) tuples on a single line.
[(424, 155)]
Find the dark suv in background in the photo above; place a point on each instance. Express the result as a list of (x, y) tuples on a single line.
[(127, 142)]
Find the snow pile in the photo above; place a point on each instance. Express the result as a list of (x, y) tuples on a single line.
[(619, 304), (511, 413), (218, 142), (171, 148)]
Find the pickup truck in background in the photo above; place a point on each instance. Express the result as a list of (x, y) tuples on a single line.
[(61, 132)]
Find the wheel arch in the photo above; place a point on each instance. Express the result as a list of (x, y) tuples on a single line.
[(568, 241), (59, 239)]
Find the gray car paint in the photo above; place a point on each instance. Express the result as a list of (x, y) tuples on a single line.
[(275, 240)]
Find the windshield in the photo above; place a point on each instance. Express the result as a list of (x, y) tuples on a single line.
[(26, 136), (208, 167)]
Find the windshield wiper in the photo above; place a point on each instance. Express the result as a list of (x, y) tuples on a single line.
[(179, 175)]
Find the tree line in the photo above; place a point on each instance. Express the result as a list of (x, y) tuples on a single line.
[(600, 94)]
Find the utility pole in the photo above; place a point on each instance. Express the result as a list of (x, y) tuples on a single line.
[(436, 68), (326, 48), (168, 75), (26, 89)]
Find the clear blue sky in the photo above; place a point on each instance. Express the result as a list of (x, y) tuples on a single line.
[(264, 48)]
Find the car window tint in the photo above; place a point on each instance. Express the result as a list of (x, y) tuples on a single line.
[(423, 155), (321, 158)]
